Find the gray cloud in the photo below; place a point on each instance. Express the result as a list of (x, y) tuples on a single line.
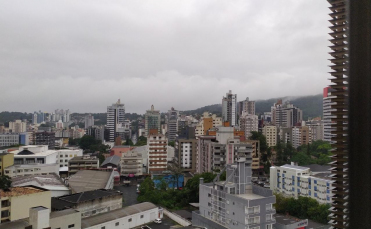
[(84, 55)]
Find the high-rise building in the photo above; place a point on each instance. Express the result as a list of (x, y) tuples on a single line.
[(59, 124), (172, 124), (185, 153), (229, 108), (45, 138), (157, 153), (115, 116), (248, 123), (327, 110), (89, 121), (248, 106), (152, 121), (286, 114), (207, 122), (40, 117), (34, 118), (235, 203), (270, 133), (18, 126), (301, 135), (339, 26)]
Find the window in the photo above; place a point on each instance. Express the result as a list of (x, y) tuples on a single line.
[(142, 216), (117, 224), (129, 220), (71, 226)]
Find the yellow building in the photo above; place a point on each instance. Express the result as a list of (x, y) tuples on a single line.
[(16, 203), (270, 133), (6, 160)]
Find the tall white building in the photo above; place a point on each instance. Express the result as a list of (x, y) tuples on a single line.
[(89, 121), (115, 116), (327, 103), (294, 181), (248, 123), (18, 126), (229, 108), (286, 114)]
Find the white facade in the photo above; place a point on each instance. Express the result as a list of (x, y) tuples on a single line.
[(327, 103), (89, 121), (270, 133), (59, 124), (229, 108), (295, 181), (65, 155), (31, 169), (186, 155), (248, 123), (115, 115), (9, 139), (18, 126)]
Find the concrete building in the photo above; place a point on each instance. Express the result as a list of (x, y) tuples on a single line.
[(327, 113), (52, 183), (87, 180), (248, 106), (255, 166), (45, 138), (294, 181), (120, 149), (157, 152), (229, 108), (152, 121), (82, 163), (9, 139), (31, 169), (33, 154), (16, 202), (248, 123), (172, 124), (89, 203), (132, 164), (89, 121), (235, 203), (207, 122), (59, 124), (286, 114), (65, 155), (18, 126), (270, 133), (301, 135), (123, 130), (24, 138), (112, 162), (96, 131), (115, 116), (316, 128), (6, 160), (185, 154)]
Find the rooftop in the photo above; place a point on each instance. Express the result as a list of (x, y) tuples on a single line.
[(122, 146), (84, 158), (294, 167), (86, 180), (50, 182), (116, 214), (30, 165), (19, 191), (325, 176), (250, 196), (67, 201), (111, 160), (319, 168)]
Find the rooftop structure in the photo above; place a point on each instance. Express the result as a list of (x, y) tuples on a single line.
[(112, 161), (86, 180)]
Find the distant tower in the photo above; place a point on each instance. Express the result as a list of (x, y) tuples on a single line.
[(152, 121), (115, 116), (229, 108)]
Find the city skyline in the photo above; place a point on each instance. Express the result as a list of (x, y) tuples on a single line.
[(181, 50)]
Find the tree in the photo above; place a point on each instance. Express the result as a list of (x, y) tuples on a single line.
[(128, 142), (142, 141), (101, 158), (262, 140), (5, 182), (171, 143), (175, 170), (87, 141)]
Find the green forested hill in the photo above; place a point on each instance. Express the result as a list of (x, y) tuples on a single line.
[(7, 116)]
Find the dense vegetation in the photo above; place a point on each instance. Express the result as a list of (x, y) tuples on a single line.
[(303, 208), (173, 198), (5, 182), (6, 116), (90, 145), (215, 109), (142, 141)]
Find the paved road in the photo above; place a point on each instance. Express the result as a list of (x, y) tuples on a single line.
[(129, 193), (166, 224)]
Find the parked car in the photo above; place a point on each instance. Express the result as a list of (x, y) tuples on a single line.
[(157, 221)]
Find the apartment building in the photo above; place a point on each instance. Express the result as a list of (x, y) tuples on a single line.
[(301, 135), (115, 116), (172, 124), (157, 153), (16, 202), (248, 106), (207, 122), (316, 128), (65, 155), (229, 108), (131, 164), (185, 154), (6, 160), (45, 138), (294, 181), (18, 126), (152, 121), (286, 114), (255, 166), (89, 121), (235, 203), (82, 163), (248, 123), (9, 139), (270, 133)]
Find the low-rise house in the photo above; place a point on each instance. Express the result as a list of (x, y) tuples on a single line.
[(82, 163), (87, 180), (31, 169), (51, 182), (16, 202), (89, 203)]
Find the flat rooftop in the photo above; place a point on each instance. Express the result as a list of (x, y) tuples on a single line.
[(31, 165), (86, 180), (84, 158), (325, 176), (294, 167), (19, 191), (250, 196)]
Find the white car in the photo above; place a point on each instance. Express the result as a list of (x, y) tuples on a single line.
[(157, 221)]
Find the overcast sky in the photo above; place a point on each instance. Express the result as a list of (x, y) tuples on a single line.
[(84, 55)]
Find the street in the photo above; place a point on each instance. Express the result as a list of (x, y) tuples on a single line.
[(129, 193)]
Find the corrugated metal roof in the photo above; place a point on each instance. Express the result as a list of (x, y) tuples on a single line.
[(86, 180), (116, 214), (111, 160)]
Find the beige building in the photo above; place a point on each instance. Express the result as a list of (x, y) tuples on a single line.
[(255, 154), (301, 135), (16, 202), (131, 163), (82, 163), (207, 122), (31, 169), (6, 160), (157, 153), (18, 126), (270, 133), (248, 123)]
